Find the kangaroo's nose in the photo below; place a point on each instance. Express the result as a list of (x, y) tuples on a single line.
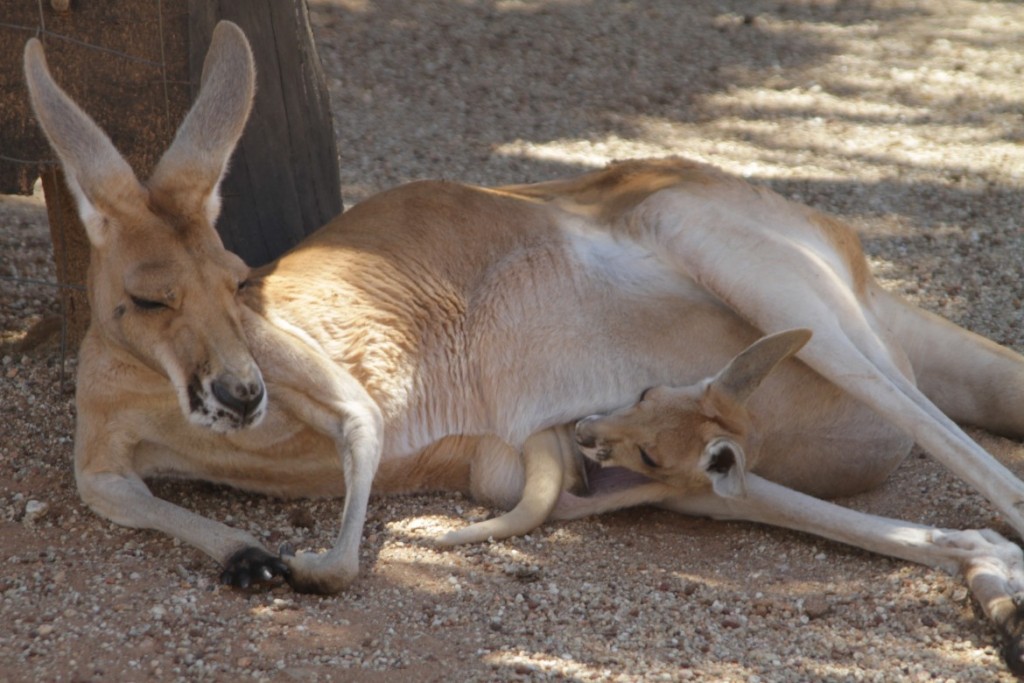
[(242, 397), (584, 437)]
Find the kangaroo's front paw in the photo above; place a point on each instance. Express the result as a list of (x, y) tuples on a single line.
[(250, 565), (322, 573)]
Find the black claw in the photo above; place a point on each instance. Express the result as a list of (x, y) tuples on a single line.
[(1013, 655), (252, 564), (1013, 640)]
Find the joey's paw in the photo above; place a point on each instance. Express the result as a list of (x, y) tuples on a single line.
[(252, 565), (320, 573)]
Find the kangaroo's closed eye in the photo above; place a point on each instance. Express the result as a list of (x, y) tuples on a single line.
[(647, 460), (147, 304)]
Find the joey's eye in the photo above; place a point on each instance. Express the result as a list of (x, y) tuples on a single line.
[(243, 284), (147, 304), (646, 458)]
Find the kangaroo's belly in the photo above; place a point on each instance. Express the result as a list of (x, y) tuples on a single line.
[(819, 440)]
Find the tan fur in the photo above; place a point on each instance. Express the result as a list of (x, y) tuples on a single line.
[(442, 336)]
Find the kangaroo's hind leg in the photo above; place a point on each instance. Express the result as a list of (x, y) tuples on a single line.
[(970, 378), (992, 566), (852, 343)]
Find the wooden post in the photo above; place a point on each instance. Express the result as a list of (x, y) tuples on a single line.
[(283, 181)]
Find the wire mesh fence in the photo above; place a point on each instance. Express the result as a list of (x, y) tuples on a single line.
[(126, 63)]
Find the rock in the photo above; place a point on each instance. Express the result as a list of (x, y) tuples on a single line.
[(816, 606), (35, 510)]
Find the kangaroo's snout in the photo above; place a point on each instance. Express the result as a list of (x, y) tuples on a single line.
[(587, 440), (584, 436), (242, 397), (225, 402)]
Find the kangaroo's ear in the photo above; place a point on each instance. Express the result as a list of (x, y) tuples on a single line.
[(193, 166), (744, 373), (96, 173), (725, 465)]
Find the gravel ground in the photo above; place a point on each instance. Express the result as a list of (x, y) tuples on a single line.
[(903, 117)]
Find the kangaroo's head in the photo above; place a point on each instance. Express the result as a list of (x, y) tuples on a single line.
[(688, 437), (163, 290)]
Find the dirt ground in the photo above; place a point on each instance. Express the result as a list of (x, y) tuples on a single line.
[(903, 117)]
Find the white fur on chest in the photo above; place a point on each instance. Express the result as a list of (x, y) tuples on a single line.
[(624, 267)]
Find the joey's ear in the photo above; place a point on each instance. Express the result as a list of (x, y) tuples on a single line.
[(725, 465), (744, 373), (192, 168), (96, 173)]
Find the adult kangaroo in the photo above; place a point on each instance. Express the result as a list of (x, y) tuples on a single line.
[(441, 336)]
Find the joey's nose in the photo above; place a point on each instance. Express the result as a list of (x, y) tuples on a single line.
[(242, 397), (586, 441)]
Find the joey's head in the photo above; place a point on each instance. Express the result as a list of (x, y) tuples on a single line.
[(162, 288), (694, 436)]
